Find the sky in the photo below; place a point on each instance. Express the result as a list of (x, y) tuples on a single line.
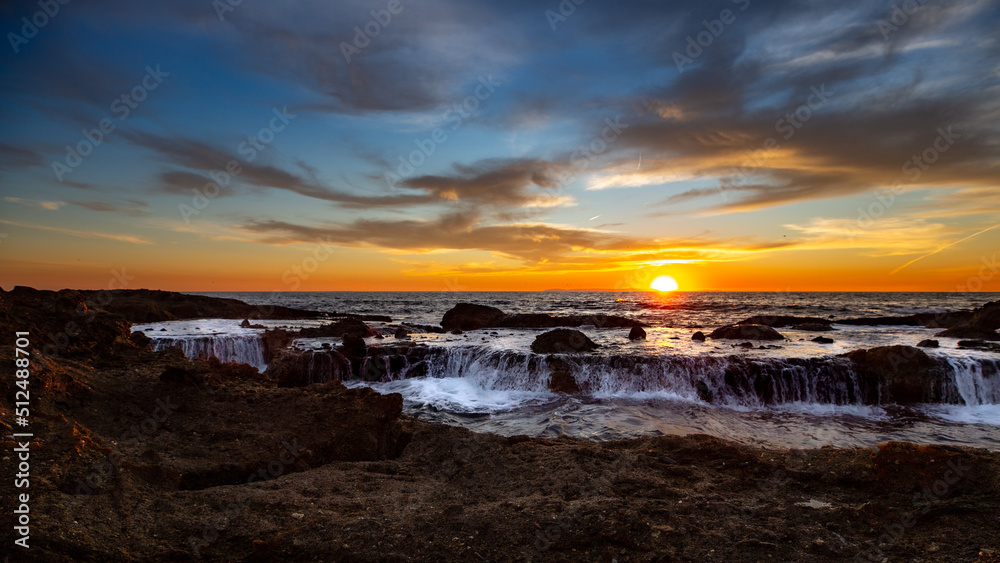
[(445, 145)]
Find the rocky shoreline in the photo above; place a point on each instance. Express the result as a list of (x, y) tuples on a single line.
[(150, 456)]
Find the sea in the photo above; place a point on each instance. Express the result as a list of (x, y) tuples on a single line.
[(489, 381)]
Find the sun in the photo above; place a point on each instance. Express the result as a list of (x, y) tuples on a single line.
[(664, 283)]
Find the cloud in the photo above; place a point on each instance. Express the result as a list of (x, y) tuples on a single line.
[(81, 234), (133, 208), (50, 205)]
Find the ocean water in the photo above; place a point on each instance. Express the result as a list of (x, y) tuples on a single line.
[(489, 381)]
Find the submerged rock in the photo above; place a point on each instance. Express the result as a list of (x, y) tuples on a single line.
[(351, 326), (562, 341), (814, 327), (899, 374), (699, 336), (822, 340), (561, 379), (778, 321), (968, 331), (928, 344), (401, 333), (636, 333), (469, 316), (295, 368), (979, 345), (747, 332)]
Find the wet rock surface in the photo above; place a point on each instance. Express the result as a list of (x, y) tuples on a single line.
[(129, 467), (746, 332), (562, 341)]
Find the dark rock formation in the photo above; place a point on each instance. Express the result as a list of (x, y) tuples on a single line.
[(469, 316), (561, 378), (979, 345), (562, 341), (539, 320), (981, 325), (778, 321), (179, 376), (822, 340), (747, 332), (401, 333), (699, 336), (636, 333), (899, 374), (275, 342), (351, 326), (295, 368), (928, 344)]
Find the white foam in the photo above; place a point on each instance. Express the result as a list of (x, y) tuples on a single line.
[(456, 394)]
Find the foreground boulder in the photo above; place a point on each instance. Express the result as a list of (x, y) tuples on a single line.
[(899, 374), (561, 378), (562, 341), (636, 333), (295, 368), (469, 316), (747, 332)]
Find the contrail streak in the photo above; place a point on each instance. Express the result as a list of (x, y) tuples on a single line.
[(944, 247)]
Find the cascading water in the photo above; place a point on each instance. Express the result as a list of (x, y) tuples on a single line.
[(977, 381), (244, 348)]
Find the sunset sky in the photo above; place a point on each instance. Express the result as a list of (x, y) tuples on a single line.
[(733, 145)]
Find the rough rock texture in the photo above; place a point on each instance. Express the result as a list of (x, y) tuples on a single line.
[(294, 368), (636, 334), (747, 332), (562, 341), (536, 320), (969, 331), (899, 374), (561, 378), (979, 345), (929, 320), (351, 326), (127, 468), (778, 321), (147, 306), (469, 316)]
